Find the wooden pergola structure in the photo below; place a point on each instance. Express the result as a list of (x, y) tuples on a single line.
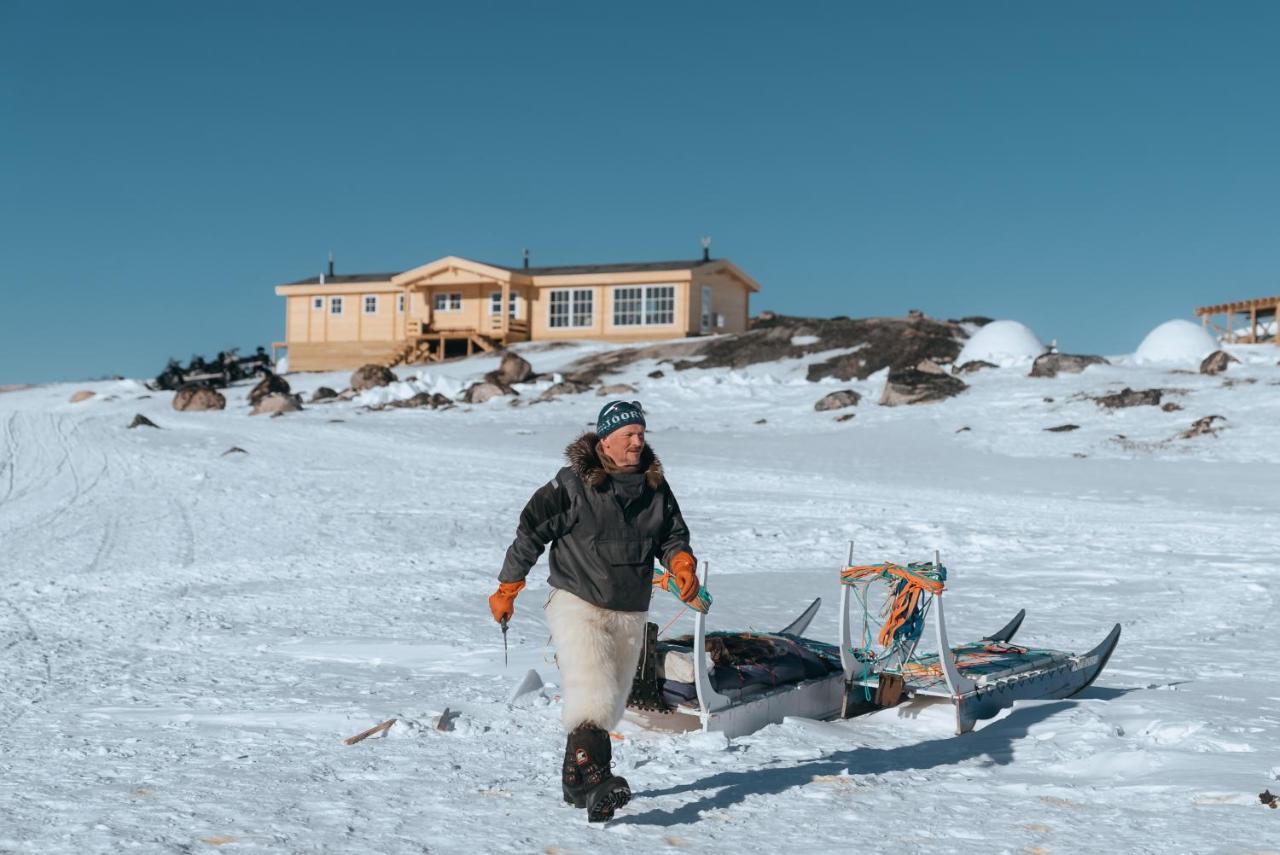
[(1257, 310)]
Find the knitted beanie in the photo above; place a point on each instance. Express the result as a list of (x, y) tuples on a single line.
[(618, 414)]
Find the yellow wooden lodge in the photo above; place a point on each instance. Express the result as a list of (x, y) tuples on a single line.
[(454, 307)]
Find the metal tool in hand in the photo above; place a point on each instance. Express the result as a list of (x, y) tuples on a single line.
[(504, 642)]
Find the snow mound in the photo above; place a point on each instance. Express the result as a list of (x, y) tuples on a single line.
[(1176, 343), (1003, 343)]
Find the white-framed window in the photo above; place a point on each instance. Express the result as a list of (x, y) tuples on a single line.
[(317, 303), (644, 305), (659, 305), (569, 307), (335, 305), (628, 307), (449, 302), (371, 304), (495, 304), (400, 303)]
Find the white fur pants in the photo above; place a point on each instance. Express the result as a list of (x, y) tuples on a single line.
[(597, 651)]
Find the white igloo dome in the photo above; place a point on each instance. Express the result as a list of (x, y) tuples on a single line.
[(1003, 343), (1175, 343)]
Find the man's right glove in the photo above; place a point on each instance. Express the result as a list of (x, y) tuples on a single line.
[(684, 568), (503, 601)]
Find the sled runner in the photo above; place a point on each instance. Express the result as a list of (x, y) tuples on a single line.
[(760, 678)]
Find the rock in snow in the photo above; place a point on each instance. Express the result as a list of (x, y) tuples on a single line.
[(485, 391), (270, 384), (371, 376), (82, 395), (277, 403), (913, 386), (1131, 398), (838, 400), (1217, 362), (1053, 364), (190, 399), (324, 393), (513, 369)]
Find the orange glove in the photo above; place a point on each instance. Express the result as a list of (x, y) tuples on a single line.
[(503, 601), (684, 567)]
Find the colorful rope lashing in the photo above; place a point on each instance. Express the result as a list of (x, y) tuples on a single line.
[(907, 589)]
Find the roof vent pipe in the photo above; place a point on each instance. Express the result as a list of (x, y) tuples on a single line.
[(706, 249), (330, 262), (526, 258)]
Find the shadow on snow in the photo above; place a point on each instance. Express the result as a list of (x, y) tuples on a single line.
[(995, 741)]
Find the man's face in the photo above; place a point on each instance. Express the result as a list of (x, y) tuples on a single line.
[(624, 445)]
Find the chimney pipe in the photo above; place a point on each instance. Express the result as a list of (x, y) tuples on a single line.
[(706, 249), (526, 258), (331, 262)]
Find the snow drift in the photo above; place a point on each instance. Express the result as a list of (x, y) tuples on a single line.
[(1175, 342), (1003, 343)]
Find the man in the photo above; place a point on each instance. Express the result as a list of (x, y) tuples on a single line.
[(607, 515)]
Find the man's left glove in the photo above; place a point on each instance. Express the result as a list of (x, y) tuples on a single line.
[(684, 569), (503, 601)]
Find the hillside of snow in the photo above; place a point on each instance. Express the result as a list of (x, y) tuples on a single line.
[(190, 632)]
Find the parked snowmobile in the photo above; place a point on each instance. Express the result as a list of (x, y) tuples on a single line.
[(757, 679), (222, 371)]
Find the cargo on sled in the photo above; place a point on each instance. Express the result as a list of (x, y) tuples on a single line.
[(743, 681)]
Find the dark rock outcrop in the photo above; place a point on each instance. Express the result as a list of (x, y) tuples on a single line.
[(513, 369), (1063, 428), (140, 420), (1203, 427), (973, 366), (277, 403), (371, 376), (838, 400), (429, 400), (913, 386), (324, 393), (270, 384), (1131, 398), (1053, 364), (1217, 362), (483, 391), (564, 387), (194, 398)]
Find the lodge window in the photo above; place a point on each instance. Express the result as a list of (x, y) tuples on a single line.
[(371, 304), (335, 305), (317, 303), (495, 304), (449, 302), (628, 307), (400, 303), (570, 307), (647, 305)]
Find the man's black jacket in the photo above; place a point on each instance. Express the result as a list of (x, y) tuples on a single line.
[(602, 547)]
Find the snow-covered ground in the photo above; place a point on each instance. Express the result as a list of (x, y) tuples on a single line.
[(188, 635)]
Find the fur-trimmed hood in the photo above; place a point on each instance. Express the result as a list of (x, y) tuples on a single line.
[(583, 455)]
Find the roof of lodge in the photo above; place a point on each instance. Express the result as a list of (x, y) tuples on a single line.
[(626, 267), (345, 279), (564, 270), (1269, 303)]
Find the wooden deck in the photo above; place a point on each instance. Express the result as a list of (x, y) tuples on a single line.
[(1257, 310), (427, 345)]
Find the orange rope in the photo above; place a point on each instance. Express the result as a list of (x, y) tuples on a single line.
[(906, 600)]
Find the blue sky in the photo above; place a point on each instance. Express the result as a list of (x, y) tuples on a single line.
[(1090, 169)]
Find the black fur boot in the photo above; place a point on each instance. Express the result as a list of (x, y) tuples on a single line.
[(587, 780), (571, 778)]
